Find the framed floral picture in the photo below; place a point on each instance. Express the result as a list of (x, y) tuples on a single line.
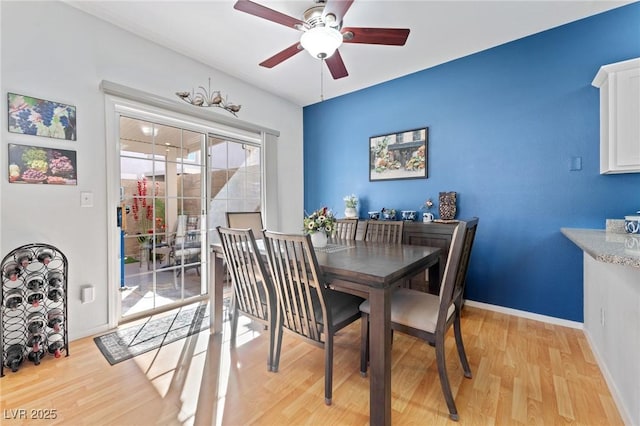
[(39, 117), (401, 155), (34, 164)]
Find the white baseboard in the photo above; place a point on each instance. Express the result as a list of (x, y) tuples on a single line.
[(525, 314), (615, 394), (91, 332)]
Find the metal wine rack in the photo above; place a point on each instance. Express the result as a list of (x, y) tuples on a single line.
[(33, 311)]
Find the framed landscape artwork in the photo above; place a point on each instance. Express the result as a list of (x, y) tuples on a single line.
[(401, 155), (39, 117), (33, 164)]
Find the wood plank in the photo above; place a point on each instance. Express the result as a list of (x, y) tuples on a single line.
[(202, 380)]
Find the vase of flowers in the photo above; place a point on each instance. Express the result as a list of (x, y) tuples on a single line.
[(351, 206), (321, 222), (427, 216)]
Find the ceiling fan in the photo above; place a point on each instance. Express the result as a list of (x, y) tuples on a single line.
[(323, 32)]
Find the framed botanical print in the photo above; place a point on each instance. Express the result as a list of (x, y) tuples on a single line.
[(39, 117)]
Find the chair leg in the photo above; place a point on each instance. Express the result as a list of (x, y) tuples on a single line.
[(234, 320), (444, 379), (277, 344), (461, 353), (328, 370), (272, 332), (364, 344)]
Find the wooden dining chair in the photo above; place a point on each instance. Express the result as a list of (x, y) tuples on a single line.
[(384, 231), (253, 292), (428, 316), (243, 220), (346, 229), (309, 309)]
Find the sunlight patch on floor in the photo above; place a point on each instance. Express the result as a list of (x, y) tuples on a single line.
[(181, 368)]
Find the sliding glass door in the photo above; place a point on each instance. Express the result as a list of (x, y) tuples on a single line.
[(235, 172), (163, 192)]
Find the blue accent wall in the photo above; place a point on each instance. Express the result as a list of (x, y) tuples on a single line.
[(503, 126)]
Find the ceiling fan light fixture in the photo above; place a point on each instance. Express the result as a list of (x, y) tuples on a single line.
[(321, 42)]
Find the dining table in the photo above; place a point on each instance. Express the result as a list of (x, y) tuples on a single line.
[(367, 268)]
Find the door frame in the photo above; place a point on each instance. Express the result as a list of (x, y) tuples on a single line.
[(115, 106)]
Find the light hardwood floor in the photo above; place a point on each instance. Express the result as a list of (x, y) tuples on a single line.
[(524, 372)]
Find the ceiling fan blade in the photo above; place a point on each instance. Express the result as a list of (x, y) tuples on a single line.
[(336, 66), (281, 56), (337, 8), (388, 36), (264, 12)]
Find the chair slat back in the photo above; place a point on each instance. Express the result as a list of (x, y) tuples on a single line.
[(253, 291), (384, 231), (243, 220), (463, 267), (300, 291), (346, 229), (450, 276)]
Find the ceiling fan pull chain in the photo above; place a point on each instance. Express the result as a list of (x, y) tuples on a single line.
[(321, 81)]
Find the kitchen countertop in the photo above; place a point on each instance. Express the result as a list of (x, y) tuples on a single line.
[(606, 246)]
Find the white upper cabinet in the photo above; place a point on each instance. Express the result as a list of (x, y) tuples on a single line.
[(619, 85)]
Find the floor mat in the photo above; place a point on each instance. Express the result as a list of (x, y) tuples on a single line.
[(127, 342)]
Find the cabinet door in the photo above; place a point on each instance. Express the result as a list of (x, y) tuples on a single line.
[(625, 122), (619, 85)]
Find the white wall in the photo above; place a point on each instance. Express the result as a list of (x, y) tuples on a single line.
[(53, 51)]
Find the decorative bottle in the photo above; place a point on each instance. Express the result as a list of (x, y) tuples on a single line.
[(24, 257), (15, 356), (447, 205), (35, 282), (35, 357), (54, 278), (34, 298), (35, 322), (34, 341), (13, 298), (55, 319), (55, 344), (11, 271), (44, 255)]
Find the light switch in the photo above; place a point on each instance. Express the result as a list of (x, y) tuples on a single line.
[(575, 164), (86, 199)]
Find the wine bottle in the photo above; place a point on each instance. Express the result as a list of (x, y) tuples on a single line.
[(35, 282), (34, 298), (44, 255), (35, 357), (13, 299), (55, 319), (55, 344), (11, 271), (54, 278), (35, 322), (34, 341), (15, 356), (24, 257), (55, 294)]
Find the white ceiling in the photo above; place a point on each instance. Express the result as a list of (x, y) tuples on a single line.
[(216, 34)]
